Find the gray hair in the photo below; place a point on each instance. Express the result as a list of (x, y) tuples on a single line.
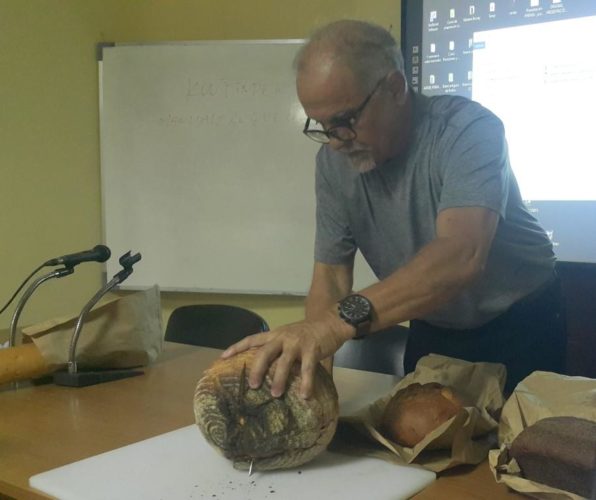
[(369, 50)]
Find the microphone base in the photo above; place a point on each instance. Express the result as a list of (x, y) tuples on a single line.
[(85, 378)]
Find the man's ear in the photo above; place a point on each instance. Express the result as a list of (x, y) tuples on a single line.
[(398, 86)]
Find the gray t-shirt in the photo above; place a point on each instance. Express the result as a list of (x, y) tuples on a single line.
[(457, 158)]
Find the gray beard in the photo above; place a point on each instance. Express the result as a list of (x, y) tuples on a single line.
[(362, 160)]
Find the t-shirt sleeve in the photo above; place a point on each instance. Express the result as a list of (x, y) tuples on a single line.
[(334, 243), (475, 162)]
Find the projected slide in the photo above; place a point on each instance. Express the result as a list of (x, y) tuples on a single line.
[(541, 79), (533, 63)]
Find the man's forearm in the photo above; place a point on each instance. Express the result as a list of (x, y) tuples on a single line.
[(317, 305), (440, 271), (328, 286)]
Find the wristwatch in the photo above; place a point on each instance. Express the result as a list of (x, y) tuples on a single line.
[(356, 310)]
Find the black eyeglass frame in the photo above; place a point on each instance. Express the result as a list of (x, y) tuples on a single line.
[(324, 136)]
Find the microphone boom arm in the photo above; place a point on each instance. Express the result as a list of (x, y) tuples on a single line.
[(127, 261), (58, 273)]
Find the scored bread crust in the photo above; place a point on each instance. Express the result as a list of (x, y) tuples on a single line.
[(248, 425)]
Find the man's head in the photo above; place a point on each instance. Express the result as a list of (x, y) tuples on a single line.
[(349, 78)]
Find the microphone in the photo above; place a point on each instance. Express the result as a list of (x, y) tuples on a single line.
[(99, 253)]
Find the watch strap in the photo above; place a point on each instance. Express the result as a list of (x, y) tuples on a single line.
[(356, 310), (362, 330)]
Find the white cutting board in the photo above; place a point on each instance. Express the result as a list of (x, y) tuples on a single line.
[(181, 465)]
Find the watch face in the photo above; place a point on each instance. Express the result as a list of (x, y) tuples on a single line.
[(355, 308)]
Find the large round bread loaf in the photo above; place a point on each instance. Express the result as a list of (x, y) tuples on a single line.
[(417, 410), (250, 425)]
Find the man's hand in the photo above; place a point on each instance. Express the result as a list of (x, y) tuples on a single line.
[(305, 342)]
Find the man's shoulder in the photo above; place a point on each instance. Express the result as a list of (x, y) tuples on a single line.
[(457, 108), (447, 116)]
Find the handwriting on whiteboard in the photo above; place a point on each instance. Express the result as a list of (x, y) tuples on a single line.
[(248, 119), (231, 88)]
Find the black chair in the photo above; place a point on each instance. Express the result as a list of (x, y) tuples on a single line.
[(382, 352), (212, 325)]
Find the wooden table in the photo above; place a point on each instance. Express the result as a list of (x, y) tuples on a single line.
[(46, 426)]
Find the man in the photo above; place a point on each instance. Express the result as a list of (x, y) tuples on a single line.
[(423, 187)]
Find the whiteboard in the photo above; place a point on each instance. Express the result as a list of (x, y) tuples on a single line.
[(204, 168)]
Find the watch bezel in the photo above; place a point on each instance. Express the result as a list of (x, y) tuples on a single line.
[(363, 317)]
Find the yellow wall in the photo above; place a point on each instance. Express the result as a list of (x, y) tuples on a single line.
[(49, 148)]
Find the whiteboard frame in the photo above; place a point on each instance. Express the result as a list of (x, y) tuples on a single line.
[(360, 279)]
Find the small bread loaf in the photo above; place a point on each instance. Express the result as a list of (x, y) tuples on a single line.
[(559, 452), (22, 362), (417, 410), (249, 425)]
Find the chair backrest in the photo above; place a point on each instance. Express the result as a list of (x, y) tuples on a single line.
[(382, 352), (212, 325)]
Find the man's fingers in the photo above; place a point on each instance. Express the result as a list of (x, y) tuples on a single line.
[(260, 365), (282, 372), (256, 340), (307, 371), (288, 345)]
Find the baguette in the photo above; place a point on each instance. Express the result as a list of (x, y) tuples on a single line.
[(22, 362)]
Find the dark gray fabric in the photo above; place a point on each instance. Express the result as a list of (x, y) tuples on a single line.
[(530, 336), (381, 352), (457, 158)]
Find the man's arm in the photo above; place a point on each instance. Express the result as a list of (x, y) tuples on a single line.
[(449, 264), (309, 342), (329, 284), (442, 269)]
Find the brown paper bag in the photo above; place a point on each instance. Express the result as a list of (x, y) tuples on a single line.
[(481, 388), (539, 395), (120, 333)]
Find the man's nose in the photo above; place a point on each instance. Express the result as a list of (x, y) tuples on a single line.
[(338, 144)]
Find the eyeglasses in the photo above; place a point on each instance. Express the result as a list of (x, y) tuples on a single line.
[(343, 128)]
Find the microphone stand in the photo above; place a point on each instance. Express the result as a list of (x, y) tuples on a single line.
[(74, 378), (58, 273)]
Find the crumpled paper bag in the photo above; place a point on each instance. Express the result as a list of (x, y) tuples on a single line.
[(539, 395), (120, 333), (481, 387)]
